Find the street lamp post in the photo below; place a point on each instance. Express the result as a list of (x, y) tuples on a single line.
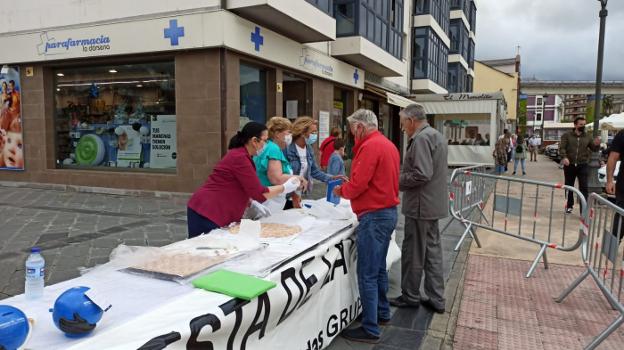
[(594, 164)]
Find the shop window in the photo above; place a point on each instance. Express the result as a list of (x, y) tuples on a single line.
[(116, 116), (253, 94), (295, 96)]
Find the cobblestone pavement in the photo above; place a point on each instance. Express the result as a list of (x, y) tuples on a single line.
[(76, 230), (500, 309), (79, 230)]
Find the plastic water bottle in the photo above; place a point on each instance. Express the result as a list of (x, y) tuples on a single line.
[(35, 274)]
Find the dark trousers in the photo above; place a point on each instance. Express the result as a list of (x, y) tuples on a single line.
[(421, 253), (198, 224), (617, 230), (573, 172)]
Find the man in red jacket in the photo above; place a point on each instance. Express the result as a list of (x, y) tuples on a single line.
[(374, 194)]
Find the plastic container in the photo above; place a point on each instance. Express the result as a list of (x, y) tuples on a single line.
[(35, 274)]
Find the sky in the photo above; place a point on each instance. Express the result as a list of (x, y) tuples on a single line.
[(558, 39)]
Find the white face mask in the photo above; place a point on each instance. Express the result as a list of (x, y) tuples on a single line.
[(288, 139)]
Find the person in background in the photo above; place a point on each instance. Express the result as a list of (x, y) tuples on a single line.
[(272, 166), (520, 155), (233, 185), (500, 156), (533, 146), (301, 157), (575, 150), (374, 194), (423, 179), (511, 148), (487, 140), (336, 161), (616, 187), (479, 140), (328, 147)]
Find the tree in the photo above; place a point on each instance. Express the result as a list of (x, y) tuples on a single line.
[(607, 105), (589, 112), (522, 116)]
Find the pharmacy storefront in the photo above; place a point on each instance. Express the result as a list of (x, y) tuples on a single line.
[(150, 104)]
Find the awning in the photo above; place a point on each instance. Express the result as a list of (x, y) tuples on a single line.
[(400, 101)]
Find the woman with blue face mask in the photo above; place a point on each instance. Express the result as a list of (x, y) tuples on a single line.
[(272, 166), (300, 154)]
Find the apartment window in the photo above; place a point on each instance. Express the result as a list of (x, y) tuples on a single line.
[(471, 53), (538, 116), (463, 5), (381, 22), (324, 5), (473, 17), (430, 57), (419, 59), (438, 9), (460, 38), (457, 78), (539, 101), (345, 15)]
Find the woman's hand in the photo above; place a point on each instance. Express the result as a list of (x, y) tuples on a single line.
[(304, 183), (341, 177)]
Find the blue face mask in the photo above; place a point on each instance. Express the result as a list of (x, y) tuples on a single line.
[(311, 139)]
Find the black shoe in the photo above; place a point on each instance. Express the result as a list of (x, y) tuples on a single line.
[(429, 305), (569, 210), (400, 301), (359, 335), (514, 173)]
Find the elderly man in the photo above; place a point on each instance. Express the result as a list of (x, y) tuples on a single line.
[(374, 194), (424, 184)]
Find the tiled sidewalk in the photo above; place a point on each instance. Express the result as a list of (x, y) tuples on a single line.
[(503, 310)]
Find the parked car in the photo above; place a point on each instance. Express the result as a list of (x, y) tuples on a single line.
[(602, 174), (552, 151)]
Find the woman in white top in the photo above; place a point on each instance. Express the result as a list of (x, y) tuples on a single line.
[(301, 156)]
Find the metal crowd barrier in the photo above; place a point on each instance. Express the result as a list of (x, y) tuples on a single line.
[(516, 211), (470, 198), (603, 256)]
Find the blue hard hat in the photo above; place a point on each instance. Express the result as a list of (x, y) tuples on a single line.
[(75, 314), (14, 327)]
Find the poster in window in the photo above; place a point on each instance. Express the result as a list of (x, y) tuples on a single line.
[(128, 147), (11, 140), (163, 153)]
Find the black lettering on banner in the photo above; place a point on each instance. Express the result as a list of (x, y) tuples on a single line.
[(352, 251), (320, 339), (236, 306), (328, 275), (156, 343), (332, 326), (263, 304), (196, 325), (339, 262), (307, 282), (343, 318), (290, 273)]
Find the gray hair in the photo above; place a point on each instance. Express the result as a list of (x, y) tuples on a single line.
[(415, 111), (364, 116)]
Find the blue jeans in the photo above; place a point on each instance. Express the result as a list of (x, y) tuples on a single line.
[(373, 237), (500, 169), (521, 161)]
